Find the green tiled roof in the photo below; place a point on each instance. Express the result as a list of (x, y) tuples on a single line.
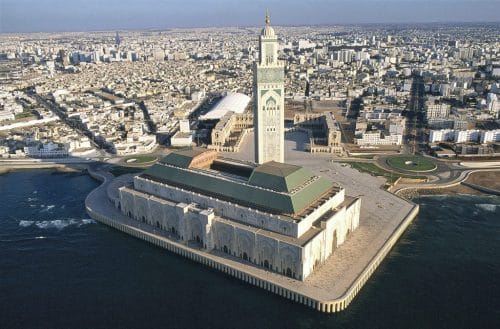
[(280, 177), (182, 158), (269, 199)]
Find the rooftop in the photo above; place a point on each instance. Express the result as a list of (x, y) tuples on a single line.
[(280, 177), (273, 187), (235, 102)]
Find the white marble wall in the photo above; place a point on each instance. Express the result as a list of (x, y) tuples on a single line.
[(335, 232), (305, 224), (186, 221), (222, 208), (257, 248), (193, 222)]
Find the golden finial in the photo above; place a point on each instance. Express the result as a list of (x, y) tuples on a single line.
[(268, 19)]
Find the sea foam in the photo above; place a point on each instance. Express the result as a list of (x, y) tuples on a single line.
[(46, 208), (487, 207), (26, 223), (56, 223)]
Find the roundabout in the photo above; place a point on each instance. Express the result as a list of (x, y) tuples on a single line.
[(411, 163)]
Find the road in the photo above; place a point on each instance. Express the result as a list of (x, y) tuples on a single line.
[(414, 139)]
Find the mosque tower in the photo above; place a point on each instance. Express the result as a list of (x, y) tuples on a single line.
[(269, 105)]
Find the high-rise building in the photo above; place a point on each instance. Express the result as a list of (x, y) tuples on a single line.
[(269, 105), (117, 39)]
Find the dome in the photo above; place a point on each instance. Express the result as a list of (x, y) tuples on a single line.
[(267, 31)]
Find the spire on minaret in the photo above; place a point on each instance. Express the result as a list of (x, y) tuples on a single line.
[(268, 31), (268, 19)]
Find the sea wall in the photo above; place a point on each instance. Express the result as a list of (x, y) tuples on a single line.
[(326, 306)]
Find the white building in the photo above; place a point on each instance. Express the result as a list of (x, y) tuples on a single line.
[(490, 136), (443, 135), (493, 105), (378, 137), (82, 143), (436, 110), (47, 150), (184, 137), (276, 216), (467, 136)]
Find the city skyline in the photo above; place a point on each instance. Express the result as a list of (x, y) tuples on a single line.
[(293, 159), (92, 15)]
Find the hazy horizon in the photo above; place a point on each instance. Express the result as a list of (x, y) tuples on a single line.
[(94, 15)]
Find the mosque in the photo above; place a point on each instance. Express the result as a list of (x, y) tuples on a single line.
[(270, 214)]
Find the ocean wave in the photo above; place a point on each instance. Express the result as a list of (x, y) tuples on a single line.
[(46, 208), (56, 223), (26, 223), (32, 199), (40, 237), (487, 207)]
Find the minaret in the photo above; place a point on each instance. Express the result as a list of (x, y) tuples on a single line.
[(269, 104)]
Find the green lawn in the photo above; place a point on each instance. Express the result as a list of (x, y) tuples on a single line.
[(120, 170), (139, 159), (375, 170), (415, 163)]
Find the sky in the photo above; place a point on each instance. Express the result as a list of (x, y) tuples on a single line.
[(98, 15)]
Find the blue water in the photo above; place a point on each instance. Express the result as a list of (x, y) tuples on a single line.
[(59, 269)]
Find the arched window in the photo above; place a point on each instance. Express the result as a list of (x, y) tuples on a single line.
[(271, 104)]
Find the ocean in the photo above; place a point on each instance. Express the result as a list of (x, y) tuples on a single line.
[(60, 269)]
